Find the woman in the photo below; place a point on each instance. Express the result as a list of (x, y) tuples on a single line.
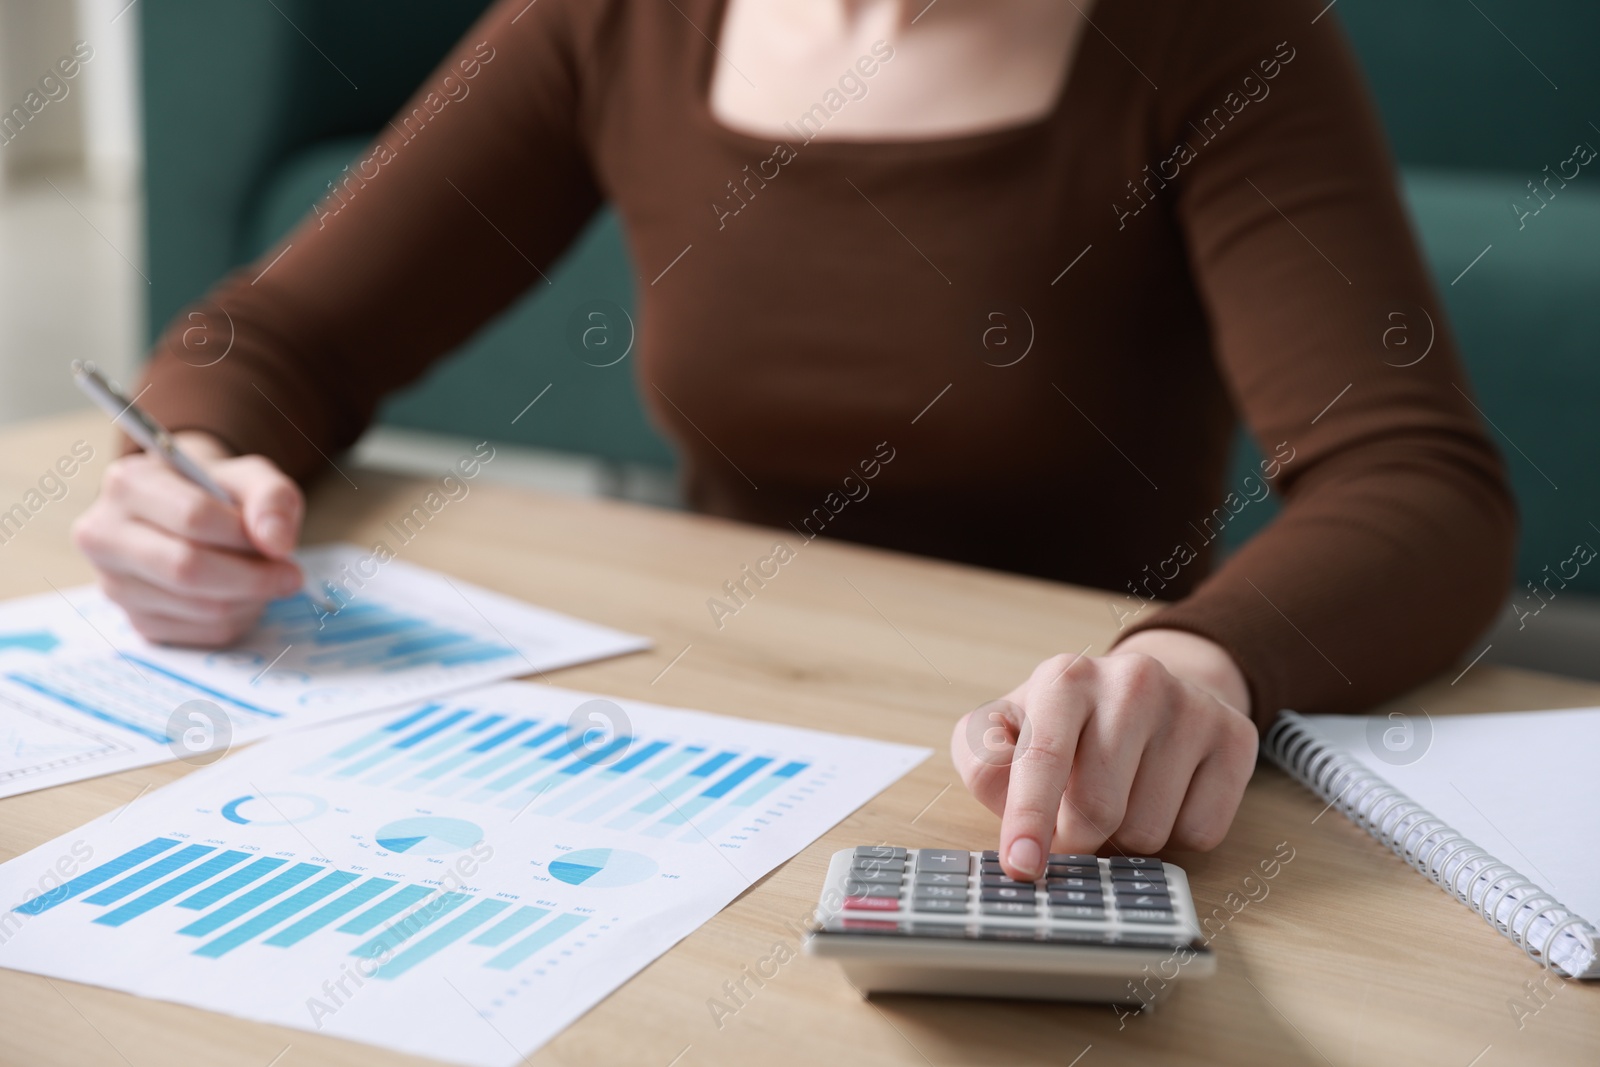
[(1037, 253)]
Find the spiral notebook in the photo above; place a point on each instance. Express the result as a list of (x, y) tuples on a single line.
[(1501, 811)]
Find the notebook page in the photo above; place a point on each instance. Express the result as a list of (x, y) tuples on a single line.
[(1524, 786)]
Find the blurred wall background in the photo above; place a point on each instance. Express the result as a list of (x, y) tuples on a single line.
[(71, 246)]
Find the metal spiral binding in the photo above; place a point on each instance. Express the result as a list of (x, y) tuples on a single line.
[(1428, 845)]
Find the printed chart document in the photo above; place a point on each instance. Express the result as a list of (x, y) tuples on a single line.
[(82, 694), (458, 880)]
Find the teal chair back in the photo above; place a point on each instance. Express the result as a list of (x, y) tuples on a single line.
[(1475, 110), (247, 119)]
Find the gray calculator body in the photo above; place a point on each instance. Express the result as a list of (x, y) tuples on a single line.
[(1120, 930)]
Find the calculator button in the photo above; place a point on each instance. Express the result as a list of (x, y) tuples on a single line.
[(877, 865), (1142, 862), (872, 926), (990, 856), (941, 892), (1077, 911), (1077, 935), (1143, 900), (1128, 874), (988, 880), (878, 852), (872, 903), (937, 929), (947, 860), (1007, 892), (938, 904), (1073, 859), (940, 878), (1053, 882), (1145, 915), (1138, 885), (1076, 896), (1073, 871), (1008, 933), (1008, 907), (871, 889), (878, 877)]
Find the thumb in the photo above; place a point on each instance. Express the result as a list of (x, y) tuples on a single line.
[(271, 504)]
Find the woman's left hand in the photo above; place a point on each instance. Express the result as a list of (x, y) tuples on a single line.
[(1148, 746)]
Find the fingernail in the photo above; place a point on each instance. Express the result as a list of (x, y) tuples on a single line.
[(273, 530), (1025, 855)]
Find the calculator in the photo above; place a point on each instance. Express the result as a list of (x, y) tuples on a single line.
[(928, 920)]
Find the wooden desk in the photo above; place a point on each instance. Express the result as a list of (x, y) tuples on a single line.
[(1351, 958)]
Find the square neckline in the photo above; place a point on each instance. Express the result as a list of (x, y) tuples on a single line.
[(704, 71)]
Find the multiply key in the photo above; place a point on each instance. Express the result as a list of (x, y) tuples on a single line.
[(940, 878)]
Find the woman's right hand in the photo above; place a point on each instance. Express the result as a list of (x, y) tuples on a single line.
[(186, 568)]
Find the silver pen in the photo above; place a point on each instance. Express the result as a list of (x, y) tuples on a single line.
[(151, 436)]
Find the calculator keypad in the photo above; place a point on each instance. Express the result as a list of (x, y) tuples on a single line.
[(939, 892)]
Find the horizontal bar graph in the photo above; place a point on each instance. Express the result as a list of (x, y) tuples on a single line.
[(129, 693), (366, 634), (656, 787), (274, 903)]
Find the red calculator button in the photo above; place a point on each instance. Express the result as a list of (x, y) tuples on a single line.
[(872, 904)]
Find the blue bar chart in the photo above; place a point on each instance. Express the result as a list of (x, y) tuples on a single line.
[(83, 693), (457, 878), (129, 694), (363, 633), (397, 923), (657, 787)]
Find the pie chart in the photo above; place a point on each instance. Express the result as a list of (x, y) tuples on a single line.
[(429, 835), (602, 867)]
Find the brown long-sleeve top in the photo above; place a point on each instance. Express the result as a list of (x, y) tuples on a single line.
[(1050, 328)]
